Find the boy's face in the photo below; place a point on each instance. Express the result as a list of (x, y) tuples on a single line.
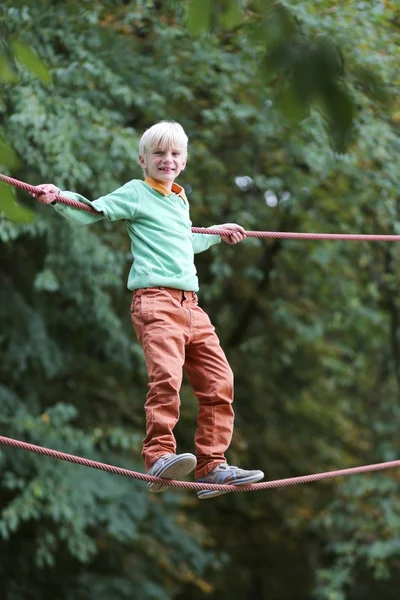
[(164, 164)]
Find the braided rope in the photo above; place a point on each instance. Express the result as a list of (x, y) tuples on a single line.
[(196, 486), (227, 232), (33, 190)]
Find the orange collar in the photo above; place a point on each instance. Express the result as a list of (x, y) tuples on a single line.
[(164, 191)]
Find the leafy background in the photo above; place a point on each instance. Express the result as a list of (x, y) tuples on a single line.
[(293, 114)]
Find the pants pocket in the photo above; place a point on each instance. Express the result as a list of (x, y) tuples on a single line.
[(146, 310), (143, 307)]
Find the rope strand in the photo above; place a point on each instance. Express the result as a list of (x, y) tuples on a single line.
[(349, 237), (197, 486), (201, 486)]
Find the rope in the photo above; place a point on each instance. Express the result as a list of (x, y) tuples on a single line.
[(196, 486), (32, 190), (227, 232), (201, 486)]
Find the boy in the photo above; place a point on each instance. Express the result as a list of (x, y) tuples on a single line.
[(175, 333)]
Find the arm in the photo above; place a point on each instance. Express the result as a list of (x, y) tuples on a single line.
[(203, 241), (120, 204), (200, 241)]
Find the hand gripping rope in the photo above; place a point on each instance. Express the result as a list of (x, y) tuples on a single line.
[(207, 486), (256, 234)]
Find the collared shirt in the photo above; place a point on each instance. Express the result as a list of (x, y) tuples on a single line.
[(159, 187), (159, 228)]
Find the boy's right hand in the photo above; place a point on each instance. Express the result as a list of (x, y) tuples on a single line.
[(46, 193)]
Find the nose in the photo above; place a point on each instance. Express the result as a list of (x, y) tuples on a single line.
[(168, 157)]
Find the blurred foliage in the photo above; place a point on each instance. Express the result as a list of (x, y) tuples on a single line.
[(302, 66), (15, 55), (268, 93)]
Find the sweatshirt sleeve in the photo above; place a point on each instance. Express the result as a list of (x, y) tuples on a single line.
[(120, 204), (203, 241)]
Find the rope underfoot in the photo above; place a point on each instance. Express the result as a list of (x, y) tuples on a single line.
[(226, 232), (196, 486), (199, 486)]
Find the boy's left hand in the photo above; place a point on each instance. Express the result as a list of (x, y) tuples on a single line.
[(238, 233)]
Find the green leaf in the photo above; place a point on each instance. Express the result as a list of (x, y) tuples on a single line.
[(232, 15), (31, 61), (199, 16), (290, 106), (339, 110), (7, 73), (10, 207), (46, 281), (8, 156), (373, 85)]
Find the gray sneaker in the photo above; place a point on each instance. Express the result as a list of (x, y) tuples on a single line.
[(170, 466), (226, 475)]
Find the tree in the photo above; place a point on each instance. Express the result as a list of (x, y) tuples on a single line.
[(310, 328)]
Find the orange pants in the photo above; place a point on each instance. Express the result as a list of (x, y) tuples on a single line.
[(176, 336)]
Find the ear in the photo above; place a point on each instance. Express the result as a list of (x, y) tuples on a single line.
[(142, 161)]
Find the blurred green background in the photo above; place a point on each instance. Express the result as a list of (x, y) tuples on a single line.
[(293, 115)]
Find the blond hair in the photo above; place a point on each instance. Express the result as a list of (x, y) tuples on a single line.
[(165, 134)]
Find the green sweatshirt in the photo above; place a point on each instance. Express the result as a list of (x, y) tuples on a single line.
[(159, 228)]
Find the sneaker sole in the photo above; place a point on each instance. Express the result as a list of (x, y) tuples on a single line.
[(205, 494), (181, 466)]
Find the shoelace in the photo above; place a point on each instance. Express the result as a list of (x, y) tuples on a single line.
[(226, 467)]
